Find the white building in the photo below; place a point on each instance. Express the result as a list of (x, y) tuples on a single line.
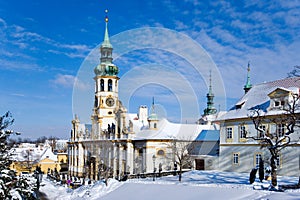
[(240, 153), (130, 143)]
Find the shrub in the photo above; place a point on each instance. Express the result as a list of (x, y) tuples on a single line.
[(252, 175)]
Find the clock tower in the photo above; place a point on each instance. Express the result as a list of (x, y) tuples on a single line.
[(106, 89)]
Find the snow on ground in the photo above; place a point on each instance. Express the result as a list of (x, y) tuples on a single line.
[(195, 184)]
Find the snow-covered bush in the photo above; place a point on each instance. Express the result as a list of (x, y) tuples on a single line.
[(11, 186)]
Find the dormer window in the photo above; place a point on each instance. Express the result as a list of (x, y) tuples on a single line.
[(279, 98), (279, 103)]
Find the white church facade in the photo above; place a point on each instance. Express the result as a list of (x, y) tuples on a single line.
[(132, 144)]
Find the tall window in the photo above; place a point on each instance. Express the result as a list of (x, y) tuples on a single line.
[(261, 132), (109, 85), (229, 133), (102, 85), (280, 130), (236, 158), (257, 159), (242, 131)]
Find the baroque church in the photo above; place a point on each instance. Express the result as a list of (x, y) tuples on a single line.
[(134, 144)]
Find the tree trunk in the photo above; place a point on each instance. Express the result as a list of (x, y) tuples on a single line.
[(180, 172), (273, 172)]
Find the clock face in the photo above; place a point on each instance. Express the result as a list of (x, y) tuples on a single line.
[(110, 102)]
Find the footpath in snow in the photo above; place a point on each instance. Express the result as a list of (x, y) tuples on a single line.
[(195, 184)]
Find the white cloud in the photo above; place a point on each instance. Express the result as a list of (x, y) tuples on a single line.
[(2, 21), (17, 95), (19, 38), (16, 65), (264, 33), (69, 81), (64, 80)]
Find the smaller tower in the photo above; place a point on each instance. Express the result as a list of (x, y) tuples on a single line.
[(248, 85), (143, 114), (153, 119), (210, 109)]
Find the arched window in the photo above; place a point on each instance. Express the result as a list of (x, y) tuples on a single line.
[(96, 102), (102, 85), (109, 85)]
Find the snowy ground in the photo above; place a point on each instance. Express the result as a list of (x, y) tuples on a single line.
[(195, 184)]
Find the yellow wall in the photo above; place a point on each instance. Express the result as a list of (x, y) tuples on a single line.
[(62, 158), (44, 164)]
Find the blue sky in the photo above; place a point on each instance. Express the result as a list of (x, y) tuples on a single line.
[(44, 45)]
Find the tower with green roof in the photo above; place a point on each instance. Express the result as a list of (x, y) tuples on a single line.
[(106, 87), (153, 119), (248, 85), (210, 109)]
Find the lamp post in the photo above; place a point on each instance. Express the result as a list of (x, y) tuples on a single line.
[(38, 175), (154, 169), (84, 174)]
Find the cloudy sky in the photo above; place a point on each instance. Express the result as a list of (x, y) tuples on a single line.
[(169, 47)]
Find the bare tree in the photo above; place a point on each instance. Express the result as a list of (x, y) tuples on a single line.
[(181, 149), (105, 169), (276, 140), (295, 72), (52, 142)]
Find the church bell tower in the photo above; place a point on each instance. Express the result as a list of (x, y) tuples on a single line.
[(106, 87)]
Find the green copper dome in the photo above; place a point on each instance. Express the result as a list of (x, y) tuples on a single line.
[(106, 70)]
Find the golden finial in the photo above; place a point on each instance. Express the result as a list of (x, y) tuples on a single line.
[(106, 17)]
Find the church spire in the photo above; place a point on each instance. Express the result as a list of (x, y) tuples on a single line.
[(106, 42), (210, 87), (248, 85), (106, 66), (153, 114), (106, 47), (210, 109), (153, 119)]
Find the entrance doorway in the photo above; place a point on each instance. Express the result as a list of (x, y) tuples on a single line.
[(200, 164)]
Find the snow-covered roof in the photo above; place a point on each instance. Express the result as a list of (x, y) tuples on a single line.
[(32, 153), (257, 96), (168, 130)]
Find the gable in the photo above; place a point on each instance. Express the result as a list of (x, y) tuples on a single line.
[(279, 92)]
